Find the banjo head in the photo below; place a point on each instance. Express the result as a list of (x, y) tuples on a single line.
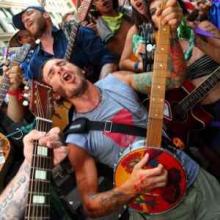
[(159, 200)]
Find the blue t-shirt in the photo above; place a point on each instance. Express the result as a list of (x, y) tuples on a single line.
[(119, 104), (89, 52)]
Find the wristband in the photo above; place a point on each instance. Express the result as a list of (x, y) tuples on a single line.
[(17, 93)]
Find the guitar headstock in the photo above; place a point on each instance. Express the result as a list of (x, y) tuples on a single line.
[(41, 100), (21, 53), (83, 10)]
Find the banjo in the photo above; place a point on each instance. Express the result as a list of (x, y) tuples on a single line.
[(159, 200)]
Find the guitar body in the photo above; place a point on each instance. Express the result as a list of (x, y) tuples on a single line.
[(60, 116), (4, 150), (179, 122), (159, 200)]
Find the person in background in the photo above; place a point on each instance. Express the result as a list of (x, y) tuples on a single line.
[(112, 25), (201, 49), (69, 16), (15, 109), (209, 45), (88, 52), (131, 58), (72, 16), (20, 38)]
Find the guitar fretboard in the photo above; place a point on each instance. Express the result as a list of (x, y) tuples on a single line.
[(80, 16), (200, 92), (157, 96), (38, 205), (71, 41)]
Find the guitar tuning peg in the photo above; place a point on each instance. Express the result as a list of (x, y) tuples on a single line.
[(26, 87), (25, 103)]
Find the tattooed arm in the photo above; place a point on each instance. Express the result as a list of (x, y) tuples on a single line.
[(100, 204), (13, 198), (176, 65)]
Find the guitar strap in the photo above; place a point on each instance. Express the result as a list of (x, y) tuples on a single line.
[(84, 125)]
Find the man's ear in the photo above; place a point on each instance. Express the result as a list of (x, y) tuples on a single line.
[(46, 15)]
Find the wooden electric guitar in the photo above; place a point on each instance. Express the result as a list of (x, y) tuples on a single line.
[(4, 150), (4, 158), (183, 113), (38, 203), (163, 199), (74, 26)]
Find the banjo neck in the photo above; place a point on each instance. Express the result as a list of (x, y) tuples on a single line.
[(158, 87)]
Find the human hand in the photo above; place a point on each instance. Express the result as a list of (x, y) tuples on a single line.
[(14, 75), (90, 25), (143, 180), (50, 140), (209, 27), (172, 14)]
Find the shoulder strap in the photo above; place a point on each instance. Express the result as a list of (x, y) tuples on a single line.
[(84, 125)]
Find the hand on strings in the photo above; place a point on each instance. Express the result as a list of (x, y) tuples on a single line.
[(143, 180), (51, 140)]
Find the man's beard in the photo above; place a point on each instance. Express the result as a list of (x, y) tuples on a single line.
[(81, 89), (41, 28)]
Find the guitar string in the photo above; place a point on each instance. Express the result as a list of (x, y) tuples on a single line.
[(34, 187), (42, 161), (156, 58), (29, 208), (45, 163), (45, 166), (37, 165)]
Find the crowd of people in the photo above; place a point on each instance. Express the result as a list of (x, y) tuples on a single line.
[(102, 81)]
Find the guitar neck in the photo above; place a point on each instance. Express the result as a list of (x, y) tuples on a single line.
[(38, 204), (4, 88), (71, 41), (200, 92), (81, 16), (157, 96)]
